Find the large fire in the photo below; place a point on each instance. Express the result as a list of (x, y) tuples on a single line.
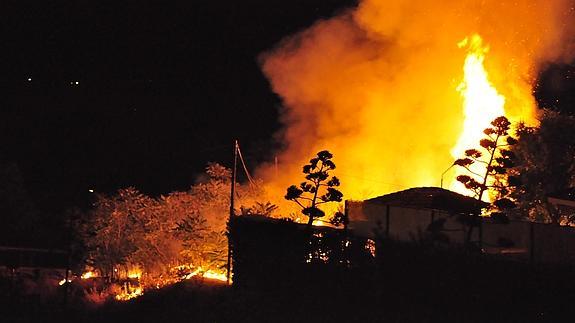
[(481, 103), (386, 89)]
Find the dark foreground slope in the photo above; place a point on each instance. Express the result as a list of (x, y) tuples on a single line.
[(408, 285)]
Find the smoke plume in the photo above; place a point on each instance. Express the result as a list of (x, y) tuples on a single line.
[(376, 85)]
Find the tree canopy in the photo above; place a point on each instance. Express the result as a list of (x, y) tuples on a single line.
[(129, 229), (545, 157)]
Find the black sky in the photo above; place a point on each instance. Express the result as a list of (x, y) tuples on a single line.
[(163, 88)]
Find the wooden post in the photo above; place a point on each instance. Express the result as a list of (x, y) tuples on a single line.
[(232, 214), (481, 233), (66, 277), (346, 215), (387, 211)]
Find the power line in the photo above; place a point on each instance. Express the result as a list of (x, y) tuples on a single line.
[(371, 180), (250, 179)]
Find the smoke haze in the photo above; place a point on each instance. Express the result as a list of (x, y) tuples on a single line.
[(376, 85)]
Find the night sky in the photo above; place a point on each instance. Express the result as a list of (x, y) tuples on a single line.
[(163, 88), (107, 94)]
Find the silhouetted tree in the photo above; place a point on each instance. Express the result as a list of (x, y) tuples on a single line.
[(317, 188), (497, 159), (339, 218), (545, 165)]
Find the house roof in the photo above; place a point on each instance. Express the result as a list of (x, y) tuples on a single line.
[(431, 198)]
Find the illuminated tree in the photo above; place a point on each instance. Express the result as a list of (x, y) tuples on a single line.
[(182, 228), (114, 229), (205, 243), (162, 244), (317, 188)]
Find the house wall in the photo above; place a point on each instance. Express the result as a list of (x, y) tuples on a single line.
[(553, 243), (542, 243), (365, 218), (401, 223), (516, 232)]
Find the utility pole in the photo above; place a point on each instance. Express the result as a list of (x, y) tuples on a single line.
[(232, 214)]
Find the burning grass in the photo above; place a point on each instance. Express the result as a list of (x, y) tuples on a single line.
[(413, 285), (99, 290)]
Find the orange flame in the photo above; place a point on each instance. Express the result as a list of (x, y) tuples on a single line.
[(377, 86), (135, 273), (209, 274), (133, 293), (88, 275), (481, 104)]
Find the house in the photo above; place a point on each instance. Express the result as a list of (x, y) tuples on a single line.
[(33, 265), (411, 214), (406, 215)]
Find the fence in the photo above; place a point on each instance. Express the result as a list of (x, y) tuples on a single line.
[(270, 252)]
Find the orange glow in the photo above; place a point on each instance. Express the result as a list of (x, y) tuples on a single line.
[(135, 273), (380, 86)]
